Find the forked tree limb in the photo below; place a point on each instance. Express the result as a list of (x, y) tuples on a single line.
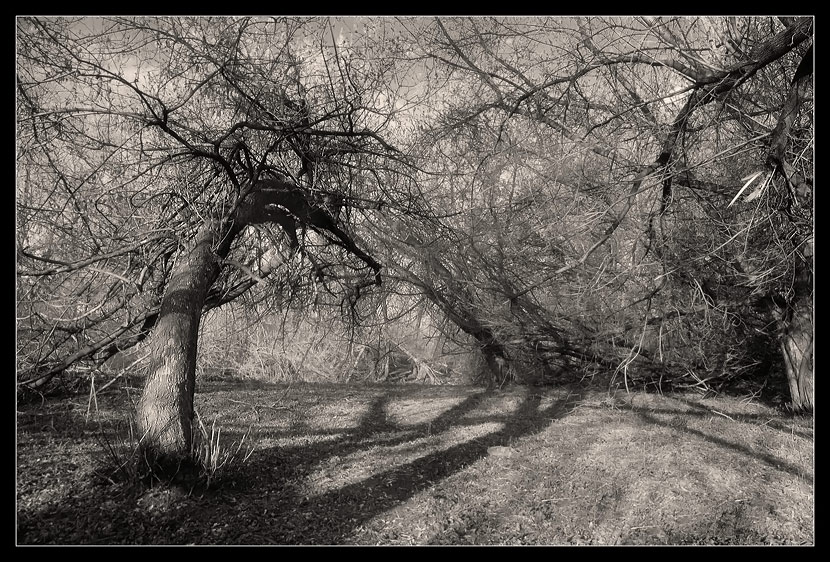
[(718, 84)]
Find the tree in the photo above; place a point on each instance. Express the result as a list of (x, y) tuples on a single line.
[(206, 137), (664, 123), (631, 195)]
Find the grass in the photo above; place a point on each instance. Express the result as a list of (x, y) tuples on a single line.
[(213, 455), (408, 464), (125, 463)]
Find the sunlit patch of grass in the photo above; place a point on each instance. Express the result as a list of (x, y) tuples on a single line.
[(416, 411)]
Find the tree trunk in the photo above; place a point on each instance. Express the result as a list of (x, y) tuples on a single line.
[(796, 319), (797, 348), (165, 410), (497, 365), (797, 332)]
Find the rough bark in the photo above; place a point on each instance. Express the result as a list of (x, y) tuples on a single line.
[(797, 348), (796, 333), (165, 410), (795, 320)]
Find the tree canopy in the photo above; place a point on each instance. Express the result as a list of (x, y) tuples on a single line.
[(566, 195)]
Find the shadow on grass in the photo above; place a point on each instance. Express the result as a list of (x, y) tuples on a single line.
[(264, 501), (704, 410), (67, 420), (329, 518), (649, 415)]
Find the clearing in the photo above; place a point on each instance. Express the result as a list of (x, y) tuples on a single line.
[(408, 464)]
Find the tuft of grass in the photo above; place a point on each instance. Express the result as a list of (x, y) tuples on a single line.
[(215, 458), (125, 462)]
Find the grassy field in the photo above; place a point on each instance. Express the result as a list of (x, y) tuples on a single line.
[(425, 465)]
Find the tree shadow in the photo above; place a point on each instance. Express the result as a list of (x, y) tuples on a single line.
[(359, 502), (649, 415), (275, 478), (374, 428), (355, 504), (703, 409)]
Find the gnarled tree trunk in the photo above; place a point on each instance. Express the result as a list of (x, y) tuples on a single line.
[(165, 410), (796, 318)]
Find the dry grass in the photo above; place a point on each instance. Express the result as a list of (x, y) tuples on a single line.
[(337, 464)]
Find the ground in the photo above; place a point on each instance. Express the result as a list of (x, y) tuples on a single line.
[(323, 464)]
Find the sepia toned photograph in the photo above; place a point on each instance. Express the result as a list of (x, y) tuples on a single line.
[(411, 280)]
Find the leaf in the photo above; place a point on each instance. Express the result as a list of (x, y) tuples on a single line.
[(749, 179), (757, 193)]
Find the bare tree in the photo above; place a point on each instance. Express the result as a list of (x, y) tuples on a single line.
[(655, 121), (180, 150), (633, 194)]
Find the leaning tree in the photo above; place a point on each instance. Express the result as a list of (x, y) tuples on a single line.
[(626, 192), (169, 165), (683, 187)]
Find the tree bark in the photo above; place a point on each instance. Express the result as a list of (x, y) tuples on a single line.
[(165, 410), (796, 333), (797, 348), (796, 319)]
